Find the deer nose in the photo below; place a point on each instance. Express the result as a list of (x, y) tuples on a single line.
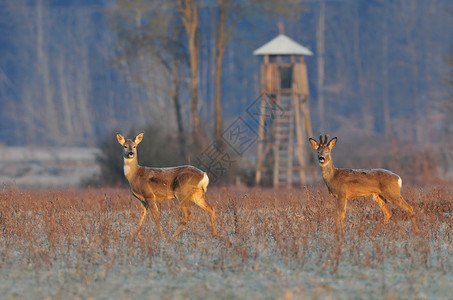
[(321, 158), (130, 154)]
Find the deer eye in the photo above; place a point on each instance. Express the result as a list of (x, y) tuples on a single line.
[(125, 147)]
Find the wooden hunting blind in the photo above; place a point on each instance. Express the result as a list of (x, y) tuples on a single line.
[(284, 86)]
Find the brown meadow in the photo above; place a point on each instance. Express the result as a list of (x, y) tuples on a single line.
[(272, 244)]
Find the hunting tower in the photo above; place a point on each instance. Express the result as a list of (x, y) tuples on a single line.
[(284, 91)]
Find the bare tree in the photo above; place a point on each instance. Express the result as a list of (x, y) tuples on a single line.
[(51, 116), (150, 49), (220, 51), (385, 76), (448, 105), (320, 47), (229, 13), (189, 10)]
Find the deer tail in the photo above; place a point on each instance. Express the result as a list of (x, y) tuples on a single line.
[(204, 182)]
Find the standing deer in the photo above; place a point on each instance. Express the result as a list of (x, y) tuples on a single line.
[(346, 184), (149, 185)]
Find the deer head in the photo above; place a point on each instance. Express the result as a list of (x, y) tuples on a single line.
[(129, 146), (323, 148)]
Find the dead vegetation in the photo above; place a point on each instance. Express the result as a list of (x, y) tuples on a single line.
[(273, 243)]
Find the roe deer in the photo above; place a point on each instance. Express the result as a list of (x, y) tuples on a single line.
[(149, 185), (346, 184)]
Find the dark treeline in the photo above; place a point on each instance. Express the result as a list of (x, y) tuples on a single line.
[(74, 72)]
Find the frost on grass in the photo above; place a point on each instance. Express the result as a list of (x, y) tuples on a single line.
[(272, 244)]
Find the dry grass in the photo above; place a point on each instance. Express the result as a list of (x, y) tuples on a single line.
[(273, 244)]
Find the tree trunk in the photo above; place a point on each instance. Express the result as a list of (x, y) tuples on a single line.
[(84, 84), (51, 120), (190, 10), (83, 91), (320, 38), (220, 51), (367, 113), (67, 112), (177, 104), (385, 80)]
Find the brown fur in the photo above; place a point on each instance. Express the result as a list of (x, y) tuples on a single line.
[(345, 184), (150, 185)]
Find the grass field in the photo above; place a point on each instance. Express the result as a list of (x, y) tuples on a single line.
[(273, 244)]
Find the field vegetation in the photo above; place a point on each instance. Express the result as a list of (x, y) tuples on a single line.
[(274, 244)]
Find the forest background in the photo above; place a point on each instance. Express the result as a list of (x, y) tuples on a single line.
[(74, 72)]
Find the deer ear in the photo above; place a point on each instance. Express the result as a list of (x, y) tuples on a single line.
[(314, 144), (120, 138), (332, 143), (138, 138)]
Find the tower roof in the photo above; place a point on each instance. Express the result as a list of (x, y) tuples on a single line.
[(282, 45)]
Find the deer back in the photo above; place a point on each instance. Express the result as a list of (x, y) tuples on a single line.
[(163, 183), (354, 183)]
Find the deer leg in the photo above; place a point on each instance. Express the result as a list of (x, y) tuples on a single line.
[(187, 216), (201, 202), (341, 213), (398, 201), (385, 209), (155, 213), (142, 217)]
